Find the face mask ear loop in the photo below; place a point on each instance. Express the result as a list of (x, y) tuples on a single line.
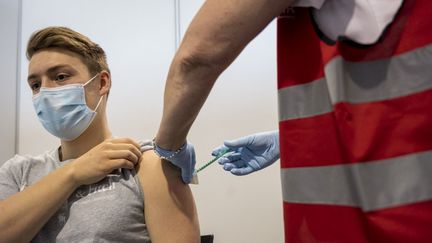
[(90, 80), (100, 100)]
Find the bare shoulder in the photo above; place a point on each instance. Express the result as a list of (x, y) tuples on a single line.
[(161, 181), (168, 202), (153, 168)]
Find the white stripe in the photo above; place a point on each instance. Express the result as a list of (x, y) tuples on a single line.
[(304, 100), (369, 186), (358, 82)]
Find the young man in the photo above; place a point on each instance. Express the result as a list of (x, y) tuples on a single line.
[(93, 187)]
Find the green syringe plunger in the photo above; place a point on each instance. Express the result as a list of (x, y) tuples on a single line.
[(221, 154)]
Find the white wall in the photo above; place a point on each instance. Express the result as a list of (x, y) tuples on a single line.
[(139, 38)]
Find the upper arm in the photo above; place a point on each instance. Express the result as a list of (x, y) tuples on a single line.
[(169, 206), (222, 28)]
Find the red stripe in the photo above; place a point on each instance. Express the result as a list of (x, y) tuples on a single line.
[(328, 223), (411, 223), (320, 223), (359, 132), (298, 47), (310, 142)]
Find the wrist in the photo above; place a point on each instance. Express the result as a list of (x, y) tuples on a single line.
[(168, 143), (167, 154), (69, 171)]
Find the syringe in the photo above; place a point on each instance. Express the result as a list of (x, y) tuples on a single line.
[(220, 155)]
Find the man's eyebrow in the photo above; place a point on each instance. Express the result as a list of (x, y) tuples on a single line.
[(50, 70), (31, 77)]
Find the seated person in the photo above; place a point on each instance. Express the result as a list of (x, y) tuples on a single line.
[(93, 187)]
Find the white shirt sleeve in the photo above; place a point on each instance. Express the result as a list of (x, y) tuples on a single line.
[(362, 21)]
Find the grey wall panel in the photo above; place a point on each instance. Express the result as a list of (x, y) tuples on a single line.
[(9, 32)]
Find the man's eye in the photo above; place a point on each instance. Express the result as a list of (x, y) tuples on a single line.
[(61, 77), (35, 86)]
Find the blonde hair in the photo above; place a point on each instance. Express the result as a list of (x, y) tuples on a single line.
[(92, 54)]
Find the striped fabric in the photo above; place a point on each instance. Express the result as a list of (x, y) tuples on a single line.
[(356, 131)]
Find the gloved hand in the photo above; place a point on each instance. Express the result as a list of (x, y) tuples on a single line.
[(250, 153), (184, 158)]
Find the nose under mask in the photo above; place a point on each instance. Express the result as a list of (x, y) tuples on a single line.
[(63, 111)]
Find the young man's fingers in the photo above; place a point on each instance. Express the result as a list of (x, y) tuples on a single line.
[(121, 163), (126, 141), (123, 154), (124, 147)]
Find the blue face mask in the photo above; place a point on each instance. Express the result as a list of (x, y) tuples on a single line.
[(63, 110)]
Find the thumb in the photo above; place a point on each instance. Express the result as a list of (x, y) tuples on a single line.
[(186, 176), (238, 143), (218, 150)]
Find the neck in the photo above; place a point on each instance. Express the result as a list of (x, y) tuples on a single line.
[(95, 134)]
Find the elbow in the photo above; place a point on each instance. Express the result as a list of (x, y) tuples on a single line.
[(207, 62), (196, 65)]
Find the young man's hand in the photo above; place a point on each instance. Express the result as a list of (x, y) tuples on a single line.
[(101, 160)]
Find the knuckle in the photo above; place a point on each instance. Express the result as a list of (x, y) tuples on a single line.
[(131, 147), (126, 163), (105, 145), (103, 168), (128, 147), (129, 156), (106, 169), (123, 162)]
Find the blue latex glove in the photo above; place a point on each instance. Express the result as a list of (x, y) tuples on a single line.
[(185, 159), (250, 153)]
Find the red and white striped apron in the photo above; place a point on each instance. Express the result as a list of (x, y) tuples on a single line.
[(356, 131)]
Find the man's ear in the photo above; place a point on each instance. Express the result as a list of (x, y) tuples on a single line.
[(105, 82)]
